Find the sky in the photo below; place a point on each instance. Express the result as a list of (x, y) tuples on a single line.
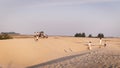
[(60, 17)]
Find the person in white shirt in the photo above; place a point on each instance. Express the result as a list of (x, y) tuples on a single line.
[(100, 41), (36, 36), (89, 45)]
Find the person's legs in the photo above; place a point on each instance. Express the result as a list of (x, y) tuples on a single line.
[(89, 47)]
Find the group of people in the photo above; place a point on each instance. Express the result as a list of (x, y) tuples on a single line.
[(40, 35), (100, 43)]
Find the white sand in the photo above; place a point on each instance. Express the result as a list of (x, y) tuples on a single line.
[(20, 53)]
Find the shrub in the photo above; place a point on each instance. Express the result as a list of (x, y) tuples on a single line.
[(5, 36)]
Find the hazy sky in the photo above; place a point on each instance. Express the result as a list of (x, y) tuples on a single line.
[(60, 17)]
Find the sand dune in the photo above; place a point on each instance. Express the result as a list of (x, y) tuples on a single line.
[(25, 52), (101, 58)]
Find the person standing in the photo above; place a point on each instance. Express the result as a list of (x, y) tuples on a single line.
[(100, 41), (89, 45), (36, 36)]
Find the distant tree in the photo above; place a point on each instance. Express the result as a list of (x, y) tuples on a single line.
[(79, 34), (9, 33), (76, 35), (100, 35), (90, 35), (83, 35)]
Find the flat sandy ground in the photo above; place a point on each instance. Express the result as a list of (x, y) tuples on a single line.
[(25, 52)]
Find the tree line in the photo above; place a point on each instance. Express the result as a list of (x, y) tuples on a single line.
[(100, 35), (6, 35)]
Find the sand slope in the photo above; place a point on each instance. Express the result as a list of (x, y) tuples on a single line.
[(20, 53), (102, 58)]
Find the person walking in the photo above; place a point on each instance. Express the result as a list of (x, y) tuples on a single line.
[(36, 36)]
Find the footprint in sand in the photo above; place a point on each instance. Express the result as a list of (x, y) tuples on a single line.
[(65, 50), (70, 49)]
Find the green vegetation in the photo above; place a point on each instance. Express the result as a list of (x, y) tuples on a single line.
[(5, 36), (90, 36), (100, 35), (80, 35)]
